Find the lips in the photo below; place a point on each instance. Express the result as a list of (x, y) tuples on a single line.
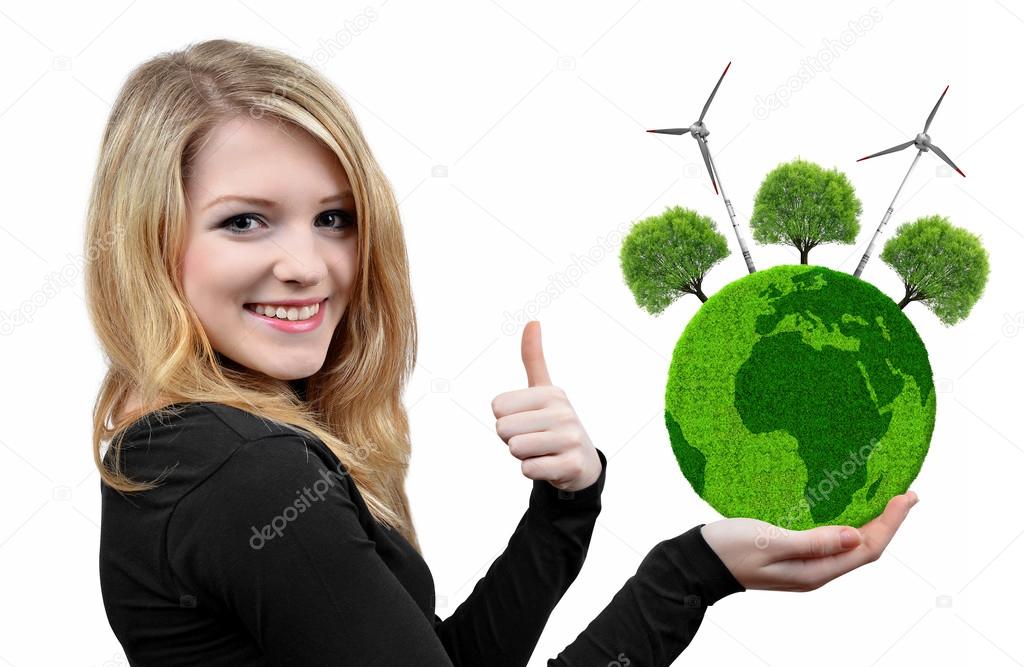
[(289, 326), (286, 304)]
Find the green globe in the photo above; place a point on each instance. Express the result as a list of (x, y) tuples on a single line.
[(800, 396)]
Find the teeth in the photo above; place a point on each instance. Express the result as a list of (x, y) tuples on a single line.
[(280, 312)]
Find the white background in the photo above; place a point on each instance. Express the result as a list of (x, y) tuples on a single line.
[(514, 137)]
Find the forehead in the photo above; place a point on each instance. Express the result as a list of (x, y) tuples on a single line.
[(265, 157)]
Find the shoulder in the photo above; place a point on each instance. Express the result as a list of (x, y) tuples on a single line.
[(208, 425), (276, 463), (195, 441), (260, 478), (176, 416), (272, 447)]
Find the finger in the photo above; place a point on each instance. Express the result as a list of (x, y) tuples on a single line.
[(875, 536), (528, 445), (520, 423), (533, 355), (530, 398), (879, 531), (814, 543), (546, 468)]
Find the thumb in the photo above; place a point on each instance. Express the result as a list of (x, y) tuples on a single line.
[(819, 542), (533, 355)]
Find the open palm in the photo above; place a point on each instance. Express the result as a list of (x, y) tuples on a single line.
[(767, 557)]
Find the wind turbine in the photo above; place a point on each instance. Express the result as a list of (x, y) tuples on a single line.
[(700, 132), (922, 142)]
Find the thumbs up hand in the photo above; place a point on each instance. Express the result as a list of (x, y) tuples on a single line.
[(541, 428)]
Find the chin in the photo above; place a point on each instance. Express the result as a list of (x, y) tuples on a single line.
[(295, 369)]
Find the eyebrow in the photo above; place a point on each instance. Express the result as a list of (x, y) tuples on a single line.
[(267, 203)]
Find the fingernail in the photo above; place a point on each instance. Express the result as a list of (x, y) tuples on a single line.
[(848, 538)]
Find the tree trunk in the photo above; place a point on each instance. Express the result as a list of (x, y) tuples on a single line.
[(803, 255), (905, 301), (700, 294)]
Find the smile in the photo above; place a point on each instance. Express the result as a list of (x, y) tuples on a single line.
[(291, 319)]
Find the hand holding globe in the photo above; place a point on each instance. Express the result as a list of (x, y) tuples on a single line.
[(766, 557)]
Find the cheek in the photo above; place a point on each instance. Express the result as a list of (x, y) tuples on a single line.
[(343, 269), (214, 276)]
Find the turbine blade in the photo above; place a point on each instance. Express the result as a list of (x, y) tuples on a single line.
[(934, 109), (673, 130), (707, 162), (888, 150), (946, 159), (712, 96)]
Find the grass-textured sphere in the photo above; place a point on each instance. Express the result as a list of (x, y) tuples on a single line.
[(800, 396)]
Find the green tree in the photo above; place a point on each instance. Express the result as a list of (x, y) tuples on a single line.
[(668, 255), (805, 205), (943, 266)]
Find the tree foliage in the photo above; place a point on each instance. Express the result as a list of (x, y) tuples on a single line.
[(668, 255), (943, 266), (805, 205)]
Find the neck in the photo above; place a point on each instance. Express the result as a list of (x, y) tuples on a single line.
[(300, 387)]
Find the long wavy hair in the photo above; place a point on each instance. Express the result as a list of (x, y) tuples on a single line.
[(153, 341)]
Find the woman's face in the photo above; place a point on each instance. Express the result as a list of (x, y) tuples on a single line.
[(297, 244)]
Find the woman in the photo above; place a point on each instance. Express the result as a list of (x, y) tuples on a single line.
[(248, 281)]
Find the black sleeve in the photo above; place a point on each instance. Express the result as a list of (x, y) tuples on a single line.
[(656, 613), (501, 621)]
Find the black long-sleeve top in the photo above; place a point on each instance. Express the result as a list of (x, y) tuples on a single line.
[(258, 549)]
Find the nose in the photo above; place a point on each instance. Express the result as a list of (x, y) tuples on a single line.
[(299, 260)]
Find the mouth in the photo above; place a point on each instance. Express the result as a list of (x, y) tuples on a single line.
[(289, 318)]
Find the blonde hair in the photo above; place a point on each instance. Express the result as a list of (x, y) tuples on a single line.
[(153, 340)]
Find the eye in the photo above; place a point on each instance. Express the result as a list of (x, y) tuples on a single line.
[(344, 219), (238, 218)]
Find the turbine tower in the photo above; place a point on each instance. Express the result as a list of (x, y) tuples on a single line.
[(923, 143), (700, 132)]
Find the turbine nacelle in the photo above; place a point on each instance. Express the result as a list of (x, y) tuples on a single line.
[(922, 141), (699, 130)]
